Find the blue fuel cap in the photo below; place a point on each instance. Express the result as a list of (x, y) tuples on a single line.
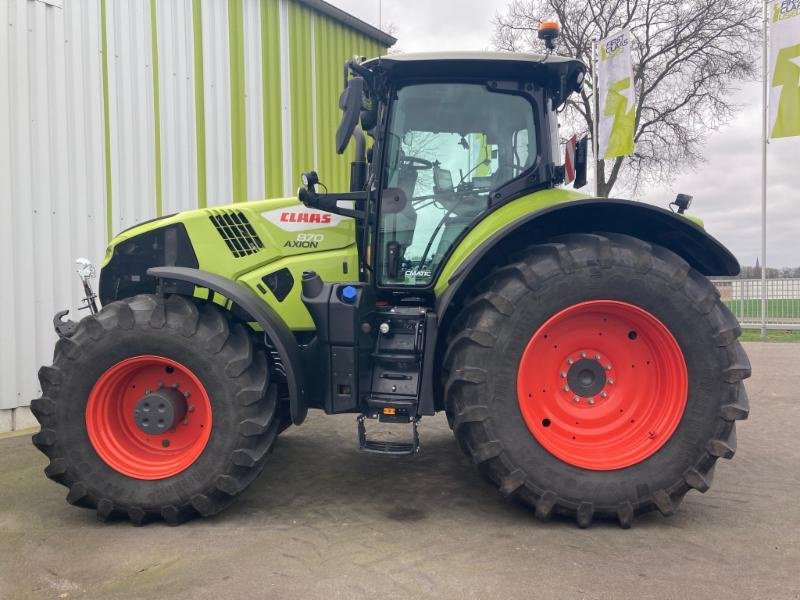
[(349, 294)]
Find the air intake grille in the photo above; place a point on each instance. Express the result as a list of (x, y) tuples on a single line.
[(238, 233)]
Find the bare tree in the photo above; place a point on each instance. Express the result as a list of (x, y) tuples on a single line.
[(688, 57)]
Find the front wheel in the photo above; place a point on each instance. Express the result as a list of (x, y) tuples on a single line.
[(156, 409), (596, 376)]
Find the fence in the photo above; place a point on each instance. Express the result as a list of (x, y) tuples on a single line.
[(743, 297)]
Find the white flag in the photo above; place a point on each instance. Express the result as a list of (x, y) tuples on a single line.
[(617, 98), (784, 68)]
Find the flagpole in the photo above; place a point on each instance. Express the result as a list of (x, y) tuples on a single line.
[(764, 143), (596, 120)]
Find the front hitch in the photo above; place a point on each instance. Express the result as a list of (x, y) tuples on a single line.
[(86, 271), (64, 328)]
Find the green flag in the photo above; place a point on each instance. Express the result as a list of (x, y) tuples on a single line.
[(617, 108), (784, 63)]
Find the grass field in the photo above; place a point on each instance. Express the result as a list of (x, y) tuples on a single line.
[(754, 335), (775, 308)]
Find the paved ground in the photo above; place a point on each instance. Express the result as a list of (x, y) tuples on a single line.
[(327, 522)]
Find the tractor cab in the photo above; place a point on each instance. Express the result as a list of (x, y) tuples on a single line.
[(455, 136)]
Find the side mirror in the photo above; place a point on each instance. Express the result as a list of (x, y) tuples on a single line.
[(350, 102), (581, 163)]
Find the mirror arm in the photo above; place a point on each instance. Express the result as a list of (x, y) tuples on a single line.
[(330, 202), (356, 68)]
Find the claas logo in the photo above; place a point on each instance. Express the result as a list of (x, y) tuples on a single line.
[(304, 217)]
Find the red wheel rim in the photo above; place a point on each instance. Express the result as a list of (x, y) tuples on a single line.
[(122, 443), (602, 385)]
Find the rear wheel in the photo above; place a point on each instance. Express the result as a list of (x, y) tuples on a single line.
[(596, 376), (156, 409)]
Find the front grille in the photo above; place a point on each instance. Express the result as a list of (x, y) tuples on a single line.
[(236, 230)]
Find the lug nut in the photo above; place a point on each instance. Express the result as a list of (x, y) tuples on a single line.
[(565, 388), (603, 395), (583, 354), (186, 394), (570, 361), (190, 408), (148, 391), (597, 357), (610, 382), (175, 385), (576, 399), (608, 367), (563, 373), (590, 400)]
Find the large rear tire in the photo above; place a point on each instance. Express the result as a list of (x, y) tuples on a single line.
[(596, 376), (192, 362)]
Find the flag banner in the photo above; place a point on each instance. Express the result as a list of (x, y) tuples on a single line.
[(784, 68), (615, 86)]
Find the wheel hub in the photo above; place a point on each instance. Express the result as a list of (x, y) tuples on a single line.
[(586, 378), (158, 412)]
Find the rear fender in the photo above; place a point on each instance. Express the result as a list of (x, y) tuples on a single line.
[(274, 326), (649, 223)]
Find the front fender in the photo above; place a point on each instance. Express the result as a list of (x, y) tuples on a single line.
[(276, 329)]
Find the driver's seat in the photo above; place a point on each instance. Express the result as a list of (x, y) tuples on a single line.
[(406, 220)]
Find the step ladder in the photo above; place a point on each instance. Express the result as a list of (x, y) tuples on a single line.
[(387, 447)]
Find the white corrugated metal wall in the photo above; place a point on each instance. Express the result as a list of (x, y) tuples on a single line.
[(176, 113), (52, 177)]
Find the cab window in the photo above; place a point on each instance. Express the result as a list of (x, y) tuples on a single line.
[(449, 145)]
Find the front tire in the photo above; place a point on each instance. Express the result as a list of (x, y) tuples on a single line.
[(528, 366), (197, 362)]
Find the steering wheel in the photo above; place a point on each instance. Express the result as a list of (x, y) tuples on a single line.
[(417, 164)]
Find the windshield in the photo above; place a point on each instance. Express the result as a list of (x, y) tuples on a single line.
[(449, 145)]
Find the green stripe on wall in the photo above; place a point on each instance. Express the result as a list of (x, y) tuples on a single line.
[(199, 104), (238, 115), (300, 84), (156, 106), (271, 98), (106, 122), (334, 44)]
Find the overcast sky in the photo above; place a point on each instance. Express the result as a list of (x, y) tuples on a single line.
[(726, 189)]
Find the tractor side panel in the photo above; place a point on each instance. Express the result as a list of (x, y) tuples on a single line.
[(278, 283), (265, 244), (280, 229)]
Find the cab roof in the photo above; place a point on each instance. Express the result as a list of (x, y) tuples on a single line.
[(474, 55), (562, 74)]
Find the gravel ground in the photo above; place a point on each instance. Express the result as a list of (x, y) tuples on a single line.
[(325, 521)]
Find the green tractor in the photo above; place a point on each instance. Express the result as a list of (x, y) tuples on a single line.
[(584, 361)]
